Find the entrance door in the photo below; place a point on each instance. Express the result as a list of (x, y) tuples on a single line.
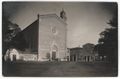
[(14, 57), (53, 55), (74, 58), (88, 58)]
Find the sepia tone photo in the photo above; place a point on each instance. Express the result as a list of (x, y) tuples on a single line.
[(60, 39)]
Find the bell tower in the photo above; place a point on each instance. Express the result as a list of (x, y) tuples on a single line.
[(63, 15)]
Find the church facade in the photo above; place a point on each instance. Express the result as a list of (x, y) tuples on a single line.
[(52, 37)]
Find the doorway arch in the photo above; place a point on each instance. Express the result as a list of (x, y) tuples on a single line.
[(54, 51), (14, 55)]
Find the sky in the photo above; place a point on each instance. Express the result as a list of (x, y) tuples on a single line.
[(85, 21)]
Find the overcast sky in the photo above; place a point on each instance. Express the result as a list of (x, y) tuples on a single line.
[(85, 20)]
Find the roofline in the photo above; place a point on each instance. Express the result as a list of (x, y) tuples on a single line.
[(44, 15), (28, 26), (76, 48)]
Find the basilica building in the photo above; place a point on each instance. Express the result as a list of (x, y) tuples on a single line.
[(46, 39)]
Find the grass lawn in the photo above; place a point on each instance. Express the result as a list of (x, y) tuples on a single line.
[(59, 69)]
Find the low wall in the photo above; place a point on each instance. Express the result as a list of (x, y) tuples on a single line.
[(28, 57)]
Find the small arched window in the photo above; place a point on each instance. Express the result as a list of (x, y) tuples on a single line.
[(54, 30)]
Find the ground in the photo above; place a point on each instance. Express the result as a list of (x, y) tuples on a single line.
[(59, 69)]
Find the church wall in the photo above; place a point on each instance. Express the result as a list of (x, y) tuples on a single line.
[(31, 36), (28, 57)]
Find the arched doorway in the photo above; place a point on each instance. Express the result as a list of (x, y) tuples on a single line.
[(54, 52), (14, 57), (53, 55)]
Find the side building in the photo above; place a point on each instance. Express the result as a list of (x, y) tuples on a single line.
[(84, 54)]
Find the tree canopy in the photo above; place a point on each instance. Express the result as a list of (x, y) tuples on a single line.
[(108, 41)]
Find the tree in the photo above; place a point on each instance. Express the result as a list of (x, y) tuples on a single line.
[(108, 43), (12, 31), (48, 56), (12, 36)]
